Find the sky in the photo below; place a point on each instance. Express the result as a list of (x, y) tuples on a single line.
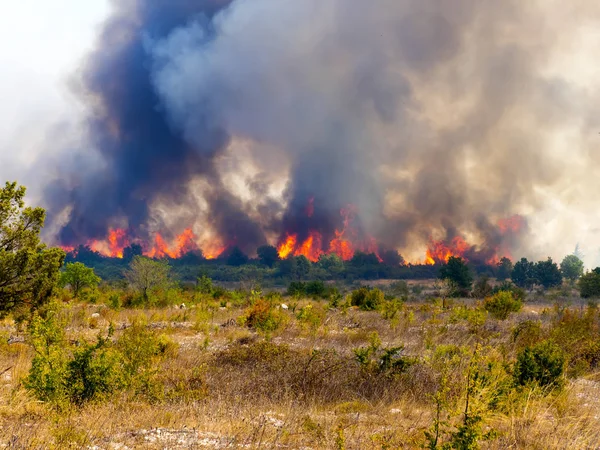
[(41, 44)]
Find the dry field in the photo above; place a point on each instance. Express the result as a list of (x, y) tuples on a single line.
[(221, 384)]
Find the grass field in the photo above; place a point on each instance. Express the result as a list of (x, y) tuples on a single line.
[(313, 374)]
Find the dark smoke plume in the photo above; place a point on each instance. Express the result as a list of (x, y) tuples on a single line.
[(430, 117)]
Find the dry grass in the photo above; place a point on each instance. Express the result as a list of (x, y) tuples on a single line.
[(299, 387)]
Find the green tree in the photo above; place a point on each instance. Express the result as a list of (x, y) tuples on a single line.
[(29, 271), (571, 267), (523, 274), (145, 274), (548, 274), (332, 263), (457, 273), (78, 276), (237, 257), (504, 269), (267, 255), (302, 269), (589, 284)]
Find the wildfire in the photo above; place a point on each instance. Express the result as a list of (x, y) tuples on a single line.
[(440, 251), (287, 247), (514, 224), (117, 241), (344, 244)]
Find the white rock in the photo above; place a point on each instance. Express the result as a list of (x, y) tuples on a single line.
[(284, 306), (95, 316)]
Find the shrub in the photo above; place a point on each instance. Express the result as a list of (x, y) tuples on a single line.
[(46, 378), (543, 364), (316, 289), (63, 374), (94, 372), (311, 316), (527, 333), (387, 361), (367, 299), (482, 287), (589, 284), (297, 288), (263, 317), (501, 304)]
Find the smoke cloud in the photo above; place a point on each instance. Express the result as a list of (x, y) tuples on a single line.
[(435, 119)]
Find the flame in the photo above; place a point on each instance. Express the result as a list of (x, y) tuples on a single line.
[(117, 241), (214, 251), (341, 247), (344, 244), (288, 246), (441, 251), (514, 224), (184, 243), (311, 247)]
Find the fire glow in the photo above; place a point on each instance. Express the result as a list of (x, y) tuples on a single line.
[(118, 240), (345, 243)]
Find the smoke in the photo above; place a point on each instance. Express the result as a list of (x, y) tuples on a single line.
[(432, 118)]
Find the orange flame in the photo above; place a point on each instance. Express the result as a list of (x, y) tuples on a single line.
[(440, 251), (288, 246), (311, 247), (513, 224), (117, 241)]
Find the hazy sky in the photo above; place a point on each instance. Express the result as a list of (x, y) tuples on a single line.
[(41, 44)]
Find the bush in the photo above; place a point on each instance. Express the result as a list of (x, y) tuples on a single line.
[(589, 284), (527, 333), (367, 299), (517, 292), (501, 304), (316, 289), (310, 316), (296, 288), (263, 317), (63, 374), (543, 364)]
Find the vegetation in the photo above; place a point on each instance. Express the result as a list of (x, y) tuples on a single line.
[(501, 304), (589, 284), (79, 277), (571, 267), (146, 275), (146, 360), (29, 271), (457, 273)]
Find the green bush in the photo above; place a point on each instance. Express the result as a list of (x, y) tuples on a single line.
[(311, 316), (316, 289), (297, 289), (589, 284), (367, 299), (501, 304), (94, 372), (387, 361), (543, 364), (517, 292), (63, 373)]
